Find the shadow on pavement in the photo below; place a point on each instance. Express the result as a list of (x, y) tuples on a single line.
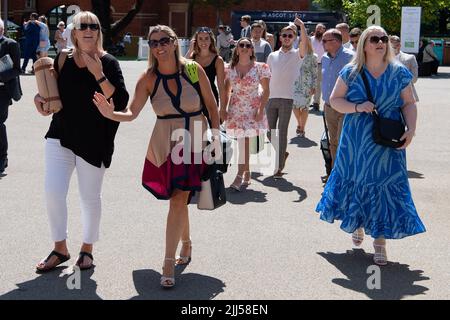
[(281, 184), (246, 195), (415, 175), (54, 286), (189, 286), (303, 142), (397, 280)]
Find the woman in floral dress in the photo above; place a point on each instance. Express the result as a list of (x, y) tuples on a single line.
[(304, 88), (246, 95)]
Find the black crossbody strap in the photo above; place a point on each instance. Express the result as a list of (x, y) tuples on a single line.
[(368, 92)]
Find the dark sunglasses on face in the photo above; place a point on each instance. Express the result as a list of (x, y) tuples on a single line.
[(376, 39), (92, 26), (285, 35), (354, 41), (163, 42), (245, 45)]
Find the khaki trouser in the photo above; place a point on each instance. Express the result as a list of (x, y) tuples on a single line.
[(334, 123)]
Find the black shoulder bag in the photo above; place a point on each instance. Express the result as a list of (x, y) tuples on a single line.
[(386, 132)]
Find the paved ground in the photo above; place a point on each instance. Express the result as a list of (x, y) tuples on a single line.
[(266, 243)]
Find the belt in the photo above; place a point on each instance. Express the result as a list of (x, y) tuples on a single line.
[(178, 116)]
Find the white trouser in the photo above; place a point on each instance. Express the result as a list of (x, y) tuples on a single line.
[(59, 165)]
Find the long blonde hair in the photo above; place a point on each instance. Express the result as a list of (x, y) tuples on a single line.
[(86, 17), (359, 60), (152, 61)]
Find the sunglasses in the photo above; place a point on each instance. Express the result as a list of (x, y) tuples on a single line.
[(203, 29), (163, 42), (92, 26), (245, 45), (354, 42), (285, 35), (376, 39), (325, 41)]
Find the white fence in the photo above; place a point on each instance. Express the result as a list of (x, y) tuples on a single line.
[(143, 47)]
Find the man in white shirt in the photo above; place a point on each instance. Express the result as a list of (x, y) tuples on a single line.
[(224, 41), (316, 41), (408, 60), (285, 66), (261, 47), (345, 31), (66, 36)]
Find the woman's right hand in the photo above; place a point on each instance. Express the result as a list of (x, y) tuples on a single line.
[(367, 107), (105, 108), (39, 103)]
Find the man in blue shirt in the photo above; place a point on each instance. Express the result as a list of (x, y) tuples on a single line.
[(32, 36), (335, 58)]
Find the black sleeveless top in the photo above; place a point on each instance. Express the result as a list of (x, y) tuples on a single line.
[(211, 73)]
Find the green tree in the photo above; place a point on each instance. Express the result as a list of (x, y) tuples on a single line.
[(111, 29), (391, 11), (331, 5)]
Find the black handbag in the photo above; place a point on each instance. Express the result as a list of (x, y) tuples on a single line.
[(385, 132), (14, 89), (212, 195)]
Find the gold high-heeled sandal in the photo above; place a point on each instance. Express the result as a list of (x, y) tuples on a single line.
[(235, 186), (185, 260), (247, 182), (167, 282)]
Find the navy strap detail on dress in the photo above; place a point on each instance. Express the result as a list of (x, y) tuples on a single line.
[(176, 116)]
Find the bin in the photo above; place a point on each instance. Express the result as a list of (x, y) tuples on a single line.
[(446, 60)]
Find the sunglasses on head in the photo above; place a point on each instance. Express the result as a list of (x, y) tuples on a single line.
[(163, 42), (245, 45), (92, 26), (204, 29), (286, 35), (327, 40), (376, 39)]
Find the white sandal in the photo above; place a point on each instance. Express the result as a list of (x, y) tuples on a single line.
[(185, 260), (358, 237), (380, 256), (167, 282)]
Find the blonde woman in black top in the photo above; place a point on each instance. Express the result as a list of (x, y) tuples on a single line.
[(80, 137)]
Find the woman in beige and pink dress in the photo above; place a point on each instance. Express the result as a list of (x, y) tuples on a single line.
[(172, 169)]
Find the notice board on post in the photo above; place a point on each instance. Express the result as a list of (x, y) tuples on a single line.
[(410, 32)]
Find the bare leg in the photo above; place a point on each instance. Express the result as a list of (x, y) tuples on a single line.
[(303, 118), (177, 220), (297, 114)]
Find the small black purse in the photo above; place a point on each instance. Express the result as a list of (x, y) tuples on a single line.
[(385, 132)]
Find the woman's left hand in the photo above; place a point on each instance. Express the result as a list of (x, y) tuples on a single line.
[(407, 136), (259, 115), (94, 65)]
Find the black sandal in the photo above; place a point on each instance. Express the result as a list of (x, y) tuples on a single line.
[(62, 258), (81, 260)]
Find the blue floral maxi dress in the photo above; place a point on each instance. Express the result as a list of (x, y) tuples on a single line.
[(368, 186)]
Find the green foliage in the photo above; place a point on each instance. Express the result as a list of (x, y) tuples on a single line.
[(331, 5), (391, 11)]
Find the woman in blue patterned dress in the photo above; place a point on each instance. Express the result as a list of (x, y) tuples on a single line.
[(368, 188)]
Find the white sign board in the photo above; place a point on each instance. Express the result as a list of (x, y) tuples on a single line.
[(410, 34)]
